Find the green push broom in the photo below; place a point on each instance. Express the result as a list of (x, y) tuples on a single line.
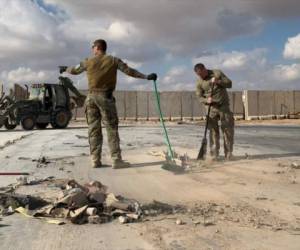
[(170, 159)]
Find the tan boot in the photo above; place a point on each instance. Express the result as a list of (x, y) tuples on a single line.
[(214, 155), (229, 156), (96, 163), (119, 163)]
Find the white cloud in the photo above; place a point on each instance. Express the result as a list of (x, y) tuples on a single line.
[(26, 76), (286, 73), (292, 48), (179, 78), (235, 60), (149, 34)]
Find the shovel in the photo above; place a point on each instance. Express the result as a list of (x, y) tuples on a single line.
[(203, 149)]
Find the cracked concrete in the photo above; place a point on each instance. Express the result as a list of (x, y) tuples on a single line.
[(263, 181)]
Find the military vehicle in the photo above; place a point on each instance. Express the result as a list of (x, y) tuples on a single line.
[(46, 104)]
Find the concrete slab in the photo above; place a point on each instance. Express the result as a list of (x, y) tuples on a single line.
[(289, 101), (297, 102), (20, 92), (237, 103), (266, 103), (187, 104), (231, 100), (198, 108), (120, 102), (279, 103), (130, 104), (143, 104), (152, 108), (251, 104), (171, 104)]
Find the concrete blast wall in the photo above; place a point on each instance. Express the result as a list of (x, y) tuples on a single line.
[(175, 105), (272, 104), (19, 92)]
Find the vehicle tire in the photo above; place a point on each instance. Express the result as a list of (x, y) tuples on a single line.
[(9, 126), (61, 119), (28, 122), (40, 125)]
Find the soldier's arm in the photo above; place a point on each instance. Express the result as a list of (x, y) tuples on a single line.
[(129, 71), (224, 81), (78, 69), (200, 93)]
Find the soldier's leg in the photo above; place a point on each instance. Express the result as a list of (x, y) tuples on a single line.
[(111, 121), (227, 125), (214, 134), (93, 118)]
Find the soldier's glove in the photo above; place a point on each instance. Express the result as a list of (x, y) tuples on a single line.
[(152, 76), (62, 69)]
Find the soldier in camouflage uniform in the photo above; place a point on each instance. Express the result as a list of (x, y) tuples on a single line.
[(219, 111), (100, 103)]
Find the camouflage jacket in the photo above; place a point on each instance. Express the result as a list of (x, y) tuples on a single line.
[(220, 95), (102, 71)]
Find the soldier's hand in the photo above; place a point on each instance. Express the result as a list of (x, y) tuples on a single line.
[(209, 100), (214, 80), (62, 69), (152, 76)]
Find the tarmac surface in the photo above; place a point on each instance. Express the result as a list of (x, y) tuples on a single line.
[(258, 192)]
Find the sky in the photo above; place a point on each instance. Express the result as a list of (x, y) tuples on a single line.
[(256, 43)]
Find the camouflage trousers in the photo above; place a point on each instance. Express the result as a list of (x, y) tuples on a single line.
[(100, 107), (225, 116)]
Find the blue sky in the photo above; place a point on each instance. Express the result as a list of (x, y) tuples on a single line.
[(273, 36), (256, 43)]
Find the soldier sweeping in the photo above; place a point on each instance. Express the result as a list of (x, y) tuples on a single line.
[(219, 110), (100, 103)]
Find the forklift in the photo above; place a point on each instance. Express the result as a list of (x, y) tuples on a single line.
[(46, 104)]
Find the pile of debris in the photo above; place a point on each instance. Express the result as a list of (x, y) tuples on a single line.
[(78, 203)]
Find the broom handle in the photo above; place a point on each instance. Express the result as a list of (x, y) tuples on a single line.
[(208, 111), (162, 121)]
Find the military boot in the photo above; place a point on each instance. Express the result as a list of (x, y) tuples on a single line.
[(229, 156), (119, 163), (96, 162), (214, 155)]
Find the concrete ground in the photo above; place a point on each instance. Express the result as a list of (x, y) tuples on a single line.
[(252, 202)]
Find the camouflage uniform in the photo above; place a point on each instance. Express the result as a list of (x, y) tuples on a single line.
[(100, 103), (219, 111)]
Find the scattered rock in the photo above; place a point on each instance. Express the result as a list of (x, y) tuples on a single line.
[(208, 223), (123, 219), (41, 162), (295, 165), (24, 158), (91, 211), (95, 219), (179, 222), (261, 198), (22, 180)]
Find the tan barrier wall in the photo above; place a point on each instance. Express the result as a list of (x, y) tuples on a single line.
[(248, 104), (271, 104)]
